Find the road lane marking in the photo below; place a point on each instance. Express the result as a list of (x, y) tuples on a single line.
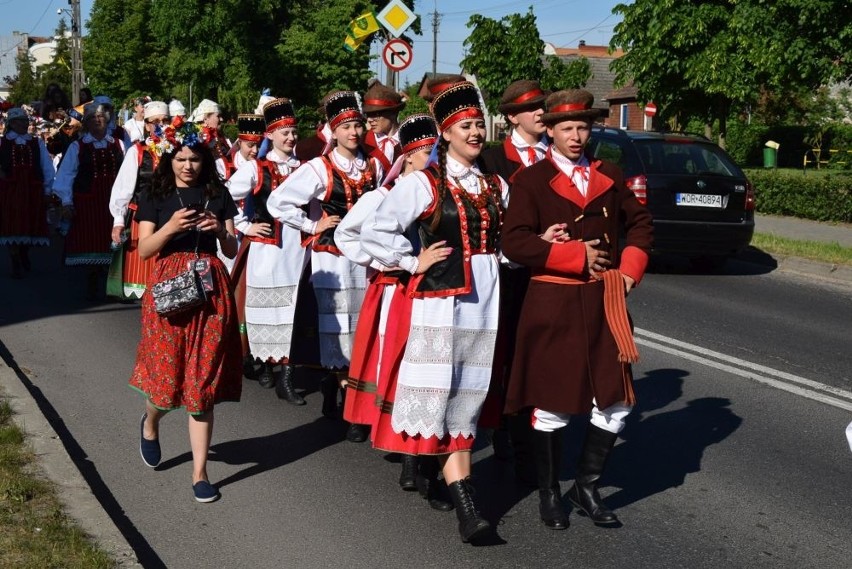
[(795, 384)]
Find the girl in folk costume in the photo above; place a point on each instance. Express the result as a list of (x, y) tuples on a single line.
[(376, 354), (330, 185), (209, 117), (189, 359), (26, 179), (446, 370), (275, 257), (133, 177), (382, 106), (84, 183), (574, 338)]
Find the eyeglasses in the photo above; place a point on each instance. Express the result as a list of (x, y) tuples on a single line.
[(155, 122)]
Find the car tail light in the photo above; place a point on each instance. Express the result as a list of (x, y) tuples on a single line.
[(749, 198), (639, 186)]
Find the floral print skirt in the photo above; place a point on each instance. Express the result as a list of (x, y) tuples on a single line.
[(193, 359)]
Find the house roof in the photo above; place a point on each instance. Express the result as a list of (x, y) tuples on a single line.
[(8, 57), (626, 92), (601, 82)]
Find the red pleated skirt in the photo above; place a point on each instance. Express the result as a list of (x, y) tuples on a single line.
[(23, 219), (192, 359), (136, 271), (89, 237)]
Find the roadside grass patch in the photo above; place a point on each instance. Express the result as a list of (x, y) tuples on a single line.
[(825, 252), (34, 531)]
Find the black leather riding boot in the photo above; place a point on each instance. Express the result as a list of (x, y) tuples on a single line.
[(284, 388), (329, 386), (548, 452), (584, 494), (521, 435), (471, 523), (408, 475), (266, 379)]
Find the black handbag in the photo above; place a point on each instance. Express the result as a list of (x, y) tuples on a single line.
[(183, 292)]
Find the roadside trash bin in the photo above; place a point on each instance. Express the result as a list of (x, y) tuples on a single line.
[(770, 154)]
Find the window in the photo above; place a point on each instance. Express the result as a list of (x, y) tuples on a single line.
[(622, 121)]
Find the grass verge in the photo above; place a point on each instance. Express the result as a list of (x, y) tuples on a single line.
[(814, 250), (34, 531)]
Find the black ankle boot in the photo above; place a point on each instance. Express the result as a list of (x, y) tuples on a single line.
[(248, 367), (471, 523), (329, 387), (357, 433), (284, 388), (408, 476), (584, 494), (266, 379), (431, 489), (548, 451)]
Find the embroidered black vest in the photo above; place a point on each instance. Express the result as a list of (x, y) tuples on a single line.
[(12, 157), (96, 163), (146, 164), (268, 178), (470, 225), (342, 193)]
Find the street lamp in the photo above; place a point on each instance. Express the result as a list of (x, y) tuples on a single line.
[(76, 50)]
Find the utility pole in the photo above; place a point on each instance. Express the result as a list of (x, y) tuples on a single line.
[(436, 22), (76, 53)]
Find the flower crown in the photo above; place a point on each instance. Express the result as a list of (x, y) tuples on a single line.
[(175, 136)]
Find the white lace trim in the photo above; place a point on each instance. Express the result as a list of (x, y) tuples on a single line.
[(347, 301), (270, 340), (450, 346), (335, 350), (273, 297), (436, 412)]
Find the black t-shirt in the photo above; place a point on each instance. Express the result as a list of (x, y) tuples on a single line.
[(160, 211)]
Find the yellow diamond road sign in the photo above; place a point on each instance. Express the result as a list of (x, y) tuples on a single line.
[(396, 17)]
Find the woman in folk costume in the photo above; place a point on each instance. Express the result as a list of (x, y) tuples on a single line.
[(84, 183), (26, 180), (382, 106), (275, 259), (377, 353), (445, 373), (574, 339), (330, 185), (133, 177), (208, 116), (190, 359)]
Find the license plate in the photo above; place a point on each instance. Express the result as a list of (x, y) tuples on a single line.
[(699, 200)]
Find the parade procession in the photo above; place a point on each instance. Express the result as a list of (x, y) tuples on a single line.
[(378, 263)]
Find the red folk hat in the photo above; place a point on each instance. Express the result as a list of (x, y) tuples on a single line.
[(341, 107), (456, 103), (417, 131), (251, 127), (438, 84), (570, 104), (520, 96), (279, 113), (379, 98)]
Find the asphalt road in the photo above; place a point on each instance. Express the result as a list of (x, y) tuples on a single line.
[(717, 468)]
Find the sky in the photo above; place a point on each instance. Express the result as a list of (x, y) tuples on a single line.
[(561, 22)]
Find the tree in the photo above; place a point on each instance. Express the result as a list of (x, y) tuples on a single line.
[(704, 59), (25, 89), (58, 71), (121, 56), (500, 52)]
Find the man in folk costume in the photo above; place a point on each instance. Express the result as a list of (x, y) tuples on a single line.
[(26, 180), (275, 256), (575, 343), (133, 177), (382, 106), (329, 186), (83, 184), (438, 84), (208, 115), (522, 104)]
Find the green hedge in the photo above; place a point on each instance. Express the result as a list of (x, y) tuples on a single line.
[(822, 196)]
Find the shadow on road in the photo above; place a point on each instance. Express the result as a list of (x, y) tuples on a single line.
[(749, 262), (661, 449)]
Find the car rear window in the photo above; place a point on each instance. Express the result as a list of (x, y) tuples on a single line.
[(685, 158)]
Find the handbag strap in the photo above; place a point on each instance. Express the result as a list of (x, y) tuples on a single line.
[(198, 233)]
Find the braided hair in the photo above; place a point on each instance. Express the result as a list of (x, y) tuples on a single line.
[(443, 145)]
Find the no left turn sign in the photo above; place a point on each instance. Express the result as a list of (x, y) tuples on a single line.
[(397, 54)]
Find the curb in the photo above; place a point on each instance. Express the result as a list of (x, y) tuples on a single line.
[(73, 492), (830, 272)]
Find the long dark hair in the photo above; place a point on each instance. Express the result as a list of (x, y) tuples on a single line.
[(163, 180), (443, 145)]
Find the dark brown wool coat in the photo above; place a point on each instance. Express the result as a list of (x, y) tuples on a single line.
[(565, 354)]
